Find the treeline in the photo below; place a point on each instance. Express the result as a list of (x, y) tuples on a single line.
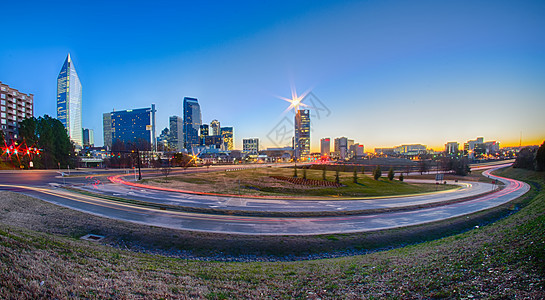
[(50, 137), (531, 158)]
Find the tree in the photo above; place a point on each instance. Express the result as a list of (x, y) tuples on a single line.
[(304, 173), (337, 177), (525, 159), (295, 172), (423, 167), (28, 131), (183, 160), (362, 170), (391, 174), (377, 173), (355, 175), (540, 158), (324, 174), (48, 134), (401, 176)]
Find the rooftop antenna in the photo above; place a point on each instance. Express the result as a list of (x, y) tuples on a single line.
[(520, 141)]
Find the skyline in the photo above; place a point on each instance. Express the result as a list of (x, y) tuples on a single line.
[(390, 73)]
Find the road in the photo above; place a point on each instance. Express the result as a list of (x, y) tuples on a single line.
[(38, 184)]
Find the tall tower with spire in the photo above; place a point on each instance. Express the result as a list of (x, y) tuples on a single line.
[(69, 101)]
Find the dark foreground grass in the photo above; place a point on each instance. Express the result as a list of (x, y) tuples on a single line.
[(504, 259)]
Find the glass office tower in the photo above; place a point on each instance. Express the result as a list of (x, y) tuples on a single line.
[(69, 101), (176, 133), (302, 134), (192, 122), (131, 129)]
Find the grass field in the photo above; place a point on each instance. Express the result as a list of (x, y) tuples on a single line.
[(258, 182), (505, 259)]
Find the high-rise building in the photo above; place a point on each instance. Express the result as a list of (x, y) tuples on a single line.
[(302, 134), (341, 147), (452, 147), (325, 146), (469, 146), (250, 145), (163, 140), (215, 128), (192, 122), (88, 137), (69, 101), (356, 150), (107, 130), (132, 128), (227, 137), (176, 133), (203, 133), (14, 107)]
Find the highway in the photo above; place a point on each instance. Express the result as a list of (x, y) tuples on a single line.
[(41, 184)]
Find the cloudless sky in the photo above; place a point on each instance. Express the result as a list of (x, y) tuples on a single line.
[(387, 72)]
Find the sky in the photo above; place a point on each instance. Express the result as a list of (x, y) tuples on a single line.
[(383, 73)]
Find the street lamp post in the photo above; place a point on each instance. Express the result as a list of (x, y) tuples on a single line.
[(139, 164)]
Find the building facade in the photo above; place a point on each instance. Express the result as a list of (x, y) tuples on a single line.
[(250, 145), (228, 138), (215, 127), (411, 150), (325, 146), (302, 134), (69, 103), (356, 151), (88, 137), (192, 122), (176, 133), (14, 108), (131, 129), (341, 148), (204, 131), (452, 148), (107, 130)]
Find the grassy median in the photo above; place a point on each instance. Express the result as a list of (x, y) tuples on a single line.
[(40, 258), (259, 182)]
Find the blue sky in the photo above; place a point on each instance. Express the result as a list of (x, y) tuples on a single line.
[(389, 72)]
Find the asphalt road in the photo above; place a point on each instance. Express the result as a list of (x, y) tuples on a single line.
[(40, 184)]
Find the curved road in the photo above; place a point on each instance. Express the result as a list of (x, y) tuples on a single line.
[(257, 225)]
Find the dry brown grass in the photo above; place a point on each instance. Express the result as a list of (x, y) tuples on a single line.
[(502, 260)]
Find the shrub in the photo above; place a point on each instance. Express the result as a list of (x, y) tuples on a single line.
[(377, 173), (391, 174)]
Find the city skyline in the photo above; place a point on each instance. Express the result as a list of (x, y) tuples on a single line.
[(461, 71)]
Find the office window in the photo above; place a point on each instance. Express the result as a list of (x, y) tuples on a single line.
[(3, 96)]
